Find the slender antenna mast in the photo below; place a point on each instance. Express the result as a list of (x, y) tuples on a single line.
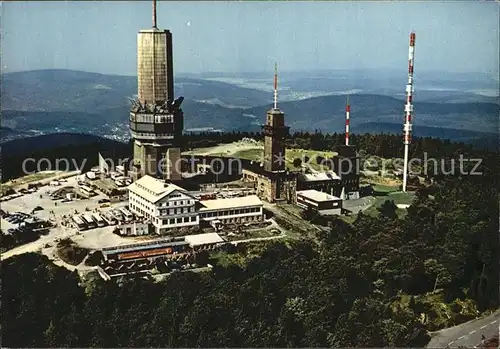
[(154, 14), (347, 112), (275, 85), (407, 127)]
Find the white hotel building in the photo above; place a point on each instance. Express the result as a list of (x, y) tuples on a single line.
[(166, 205), (169, 206)]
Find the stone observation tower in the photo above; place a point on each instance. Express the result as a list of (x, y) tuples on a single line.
[(156, 119), (273, 181), (275, 133)]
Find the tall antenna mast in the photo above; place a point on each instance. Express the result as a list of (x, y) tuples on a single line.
[(408, 108), (154, 14), (347, 112), (275, 85)]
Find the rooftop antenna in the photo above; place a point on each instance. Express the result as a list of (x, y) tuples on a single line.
[(154, 15), (275, 85), (408, 107), (347, 112)]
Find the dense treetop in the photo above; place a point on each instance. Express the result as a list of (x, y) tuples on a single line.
[(380, 281)]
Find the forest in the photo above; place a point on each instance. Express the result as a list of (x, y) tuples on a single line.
[(380, 281)]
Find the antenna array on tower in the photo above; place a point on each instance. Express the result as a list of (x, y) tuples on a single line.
[(275, 86), (347, 114), (407, 126)]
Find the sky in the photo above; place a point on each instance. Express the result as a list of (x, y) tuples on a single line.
[(452, 36)]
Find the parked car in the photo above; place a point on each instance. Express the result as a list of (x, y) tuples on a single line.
[(38, 208)]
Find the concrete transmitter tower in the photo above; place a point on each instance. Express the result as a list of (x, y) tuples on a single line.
[(156, 119)]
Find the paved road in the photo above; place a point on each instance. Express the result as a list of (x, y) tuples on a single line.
[(467, 334), (258, 239), (361, 204)]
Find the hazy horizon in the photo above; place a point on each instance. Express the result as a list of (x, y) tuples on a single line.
[(271, 69), (232, 37)]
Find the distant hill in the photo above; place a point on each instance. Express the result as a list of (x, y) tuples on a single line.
[(440, 96), (68, 90), (78, 149), (65, 90), (327, 113), (40, 143), (47, 101), (113, 122), (487, 140), (365, 79), (22, 123), (215, 92)]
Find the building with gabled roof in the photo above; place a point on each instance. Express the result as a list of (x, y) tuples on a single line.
[(153, 189), (165, 205)]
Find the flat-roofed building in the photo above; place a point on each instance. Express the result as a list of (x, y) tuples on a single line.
[(233, 210), (206, 241), (328, 182), (148, 249), (320, 202), (166, 205)]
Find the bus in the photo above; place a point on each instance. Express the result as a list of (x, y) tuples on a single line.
[(119, 183), (100, 222), (117, 215), (87, 218), (80, 224), (108, 217), (127, 214)]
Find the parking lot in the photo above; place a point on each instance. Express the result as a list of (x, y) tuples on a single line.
[(27, 202), (60, 214), (11, 222)]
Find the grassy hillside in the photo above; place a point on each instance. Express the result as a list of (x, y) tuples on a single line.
[(255, 152)]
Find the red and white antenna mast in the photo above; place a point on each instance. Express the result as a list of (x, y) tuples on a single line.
[(408, 108), (347, 112), (275, 85)]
